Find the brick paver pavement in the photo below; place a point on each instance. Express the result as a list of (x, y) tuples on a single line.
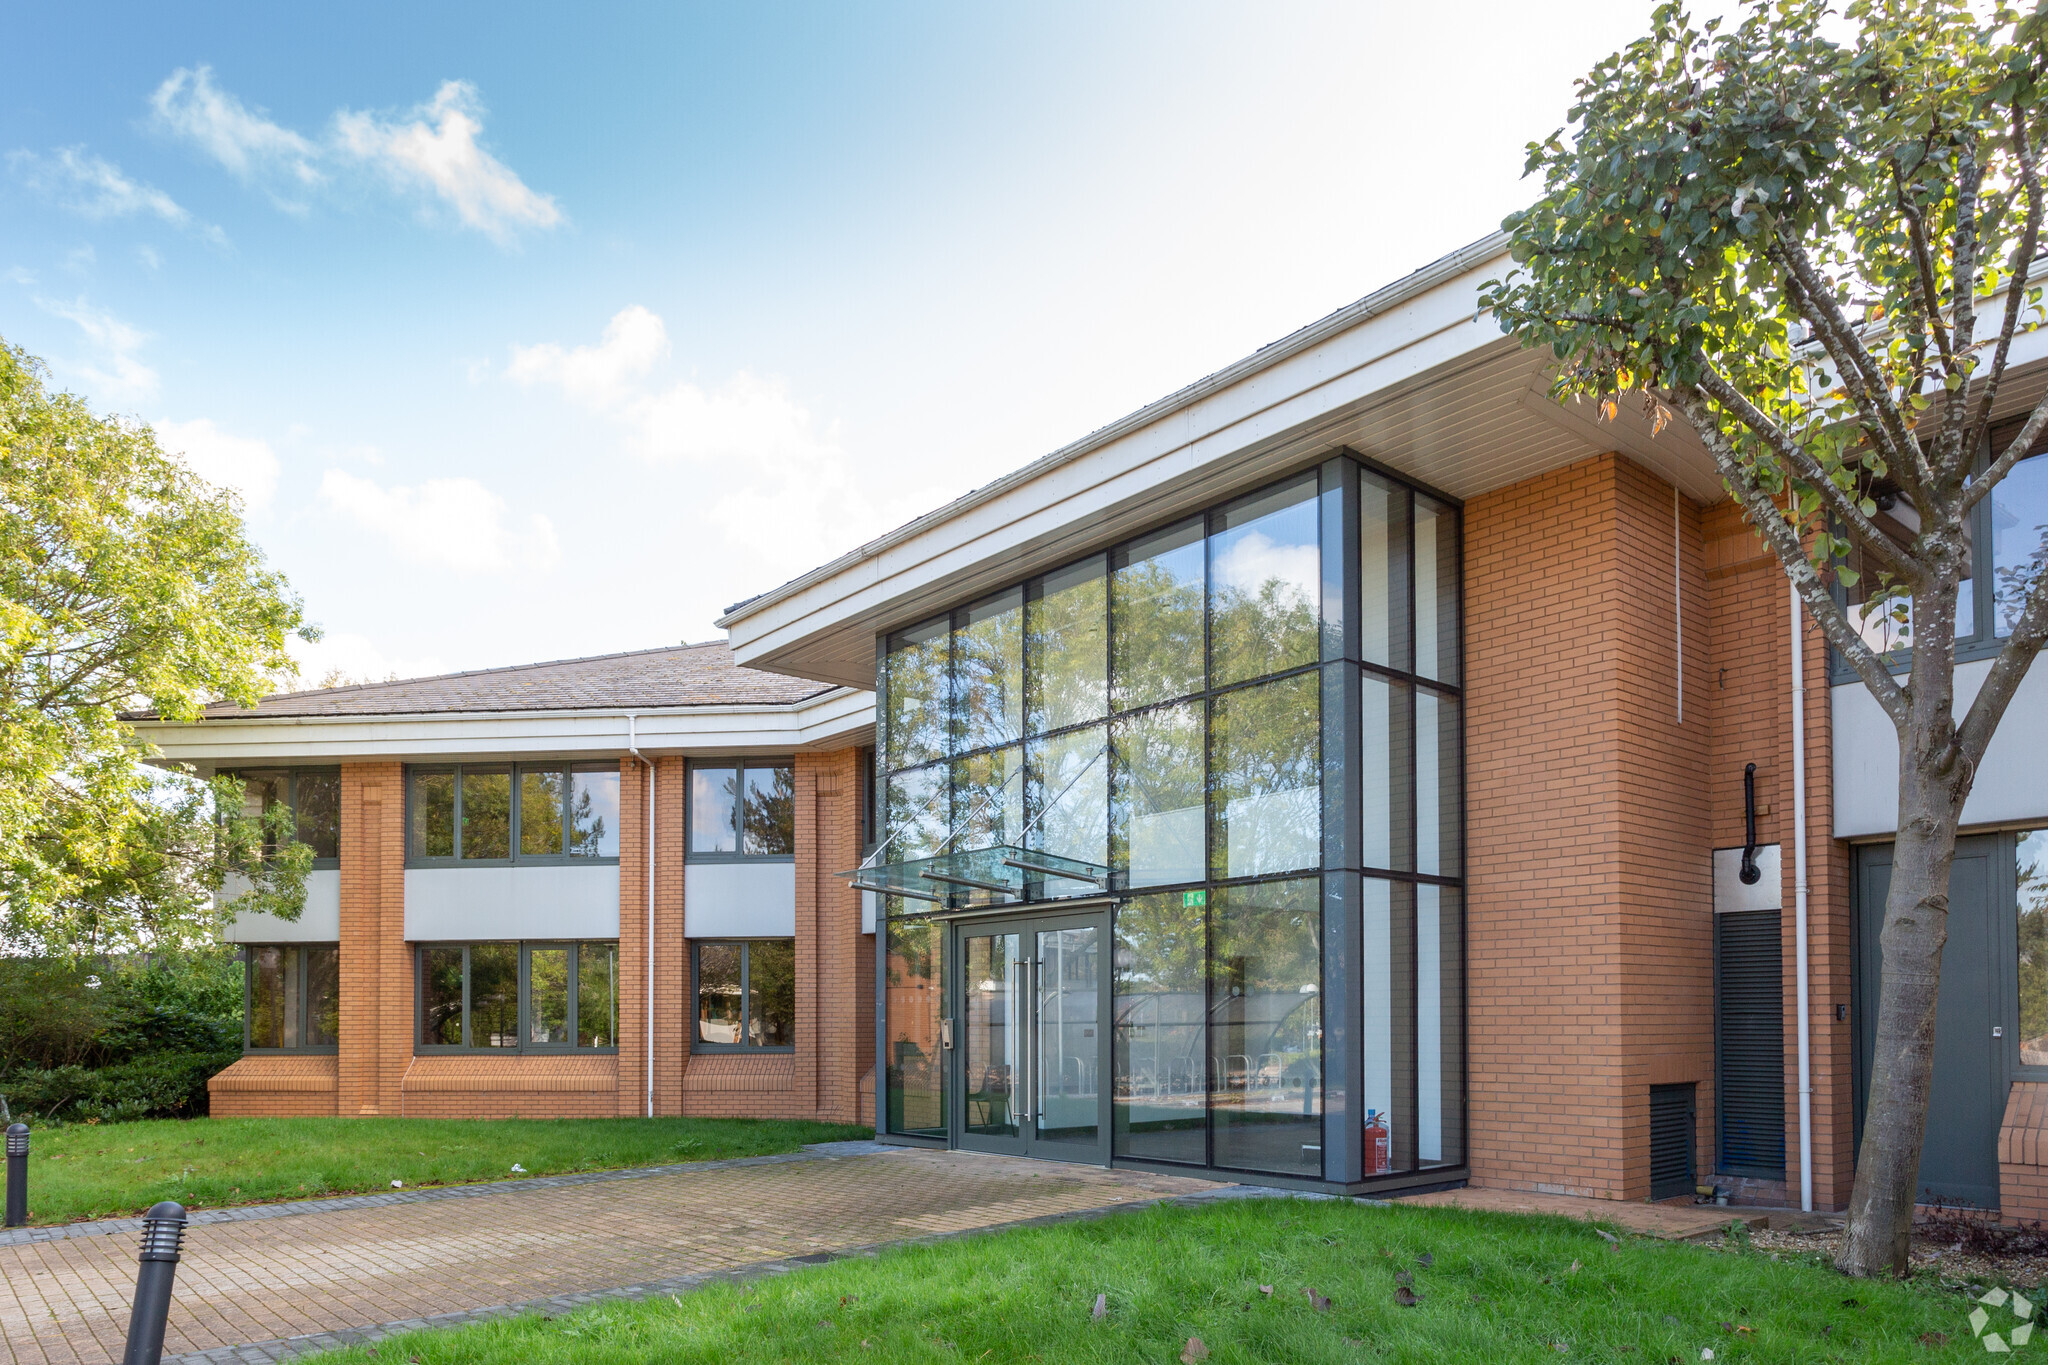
[(66, 1300)]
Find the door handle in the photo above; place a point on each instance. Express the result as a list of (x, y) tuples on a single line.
[(1998, 1030)]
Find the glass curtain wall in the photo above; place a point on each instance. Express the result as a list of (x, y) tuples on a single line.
[(1174, 710)]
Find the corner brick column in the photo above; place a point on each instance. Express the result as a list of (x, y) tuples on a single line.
[(632, 1095), (673, 1010), (372, 919)]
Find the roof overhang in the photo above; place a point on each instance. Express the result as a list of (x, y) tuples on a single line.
[(1416, 377), (832, 719)]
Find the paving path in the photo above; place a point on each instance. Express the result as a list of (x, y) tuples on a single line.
[(250, 1283)]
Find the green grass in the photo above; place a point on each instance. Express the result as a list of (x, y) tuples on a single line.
[(1501, 1288), (110, 1169)]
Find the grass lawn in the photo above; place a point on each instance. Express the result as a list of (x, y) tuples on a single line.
[(1489, 1287), (110, 1169)]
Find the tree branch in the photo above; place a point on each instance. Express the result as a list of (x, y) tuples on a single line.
[(1806, 467), (1973, 736), (1955, 462), (1980, 487), (1778, 533), (1923, 264)]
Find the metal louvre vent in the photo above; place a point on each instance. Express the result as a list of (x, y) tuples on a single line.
[(1671, 1127), (1749, 1043)]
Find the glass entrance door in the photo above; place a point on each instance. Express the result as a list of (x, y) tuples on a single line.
[(1030, 1052)]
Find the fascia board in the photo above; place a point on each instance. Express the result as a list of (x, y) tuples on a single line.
[(1374, 355), (843, 715)]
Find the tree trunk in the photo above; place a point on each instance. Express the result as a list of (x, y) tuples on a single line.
[(1902, 1059)]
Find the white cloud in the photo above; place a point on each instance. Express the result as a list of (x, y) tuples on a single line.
[(117, 374), (345, 655), (243, 463), (436, 148), (95, 187), (455, 523), (189, 105), (21, 275), (149, 256), (597, 376)]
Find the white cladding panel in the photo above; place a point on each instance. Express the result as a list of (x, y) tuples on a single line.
[(318, 922), (739, 900), (470, 903), (1767, 892), (2009, 784)]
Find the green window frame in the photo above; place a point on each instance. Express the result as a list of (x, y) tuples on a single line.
[(755, 821), (748, 992), (591, 984), (308, 983), (595, 841)]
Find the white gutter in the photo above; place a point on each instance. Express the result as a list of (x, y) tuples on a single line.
[(633, 748), (1799, 905)]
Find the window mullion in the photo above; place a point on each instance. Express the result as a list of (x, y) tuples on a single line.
[(455, 843), (465, 960)]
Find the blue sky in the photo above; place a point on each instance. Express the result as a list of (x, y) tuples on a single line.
[(532, 332)]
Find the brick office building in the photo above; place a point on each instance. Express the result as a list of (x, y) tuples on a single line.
[(1336, 773)]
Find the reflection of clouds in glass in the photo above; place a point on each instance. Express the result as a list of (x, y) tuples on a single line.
[(2019, 537), (1254, 559)]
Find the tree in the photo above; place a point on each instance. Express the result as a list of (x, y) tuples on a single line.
[(125, 582), (1817, 251)]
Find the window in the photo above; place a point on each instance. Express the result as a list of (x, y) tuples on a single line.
[(313, 796), (479, 814), (746, 995), (2030, 867), (744, 809), (519, 997), (291, 998)]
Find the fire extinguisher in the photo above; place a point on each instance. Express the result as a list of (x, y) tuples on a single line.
[(1379, 1144)]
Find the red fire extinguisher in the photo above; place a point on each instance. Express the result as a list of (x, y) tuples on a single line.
[(1379, 1144)]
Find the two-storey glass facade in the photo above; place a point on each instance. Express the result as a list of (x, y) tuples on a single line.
[(1238, 735)]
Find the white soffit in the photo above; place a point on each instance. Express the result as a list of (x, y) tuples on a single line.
[(1415, 377), (832, 720)]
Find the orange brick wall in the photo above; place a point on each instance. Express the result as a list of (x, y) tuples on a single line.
[(1589, 975), (376, 1071)]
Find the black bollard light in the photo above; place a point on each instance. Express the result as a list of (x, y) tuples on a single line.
[(163, 1235), (17, 1174)]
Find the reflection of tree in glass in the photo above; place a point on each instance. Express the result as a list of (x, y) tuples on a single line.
[(2017, 580), (915, 699), (1269, 630), (915, 1077), (1158, 637), (2032, 861), (771, 994), (540, 811), (444, 996), (770, 815), (1068, 636), (1158, 998), (1157, 772), (487, 814), (1264, 746), (586, 827), (988, 799), (988, 678)]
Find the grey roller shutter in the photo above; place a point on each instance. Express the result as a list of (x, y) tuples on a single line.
[(1749, 1043), (1671, 1128)]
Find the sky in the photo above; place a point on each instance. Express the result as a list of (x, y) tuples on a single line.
[(535, 332)]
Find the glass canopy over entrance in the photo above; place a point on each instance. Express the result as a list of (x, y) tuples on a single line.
[(1208, 784)]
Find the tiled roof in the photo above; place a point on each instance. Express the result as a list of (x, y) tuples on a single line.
[(682, 675)]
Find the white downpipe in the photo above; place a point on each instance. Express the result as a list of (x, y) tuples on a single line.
[(633, 747), (1799, 905)]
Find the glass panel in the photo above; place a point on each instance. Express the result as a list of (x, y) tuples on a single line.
[(323, 997), (260, 792), (915, 699), (1156, 795), (1265, 1026), (317, 811), (1436, 590), (714, 803), (1069, 1055), (914, 1003), (1066, 624), (1070, 802), (992, 979), (433, 815), (1437, 807), (547, 996), (1383, 571), (2031, 864), (917, 818), (770, 813), (1155, 594), (988, 799), (720, 1005), (594, 814), (1263, 746), (2019, 539), (1376, 1037), (1439, 1015), (441, 997), (597, 995), (541, 796), (1160, 1103), (771, 993), (1385, 771), (486, 813), (1886, 622), (988, 672), (493, 992), (1265, 583), (269, 970)]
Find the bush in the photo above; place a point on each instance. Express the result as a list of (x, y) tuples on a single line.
[(140, 1044)]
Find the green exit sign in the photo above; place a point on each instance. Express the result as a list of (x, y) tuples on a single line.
[(1193, 900)]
